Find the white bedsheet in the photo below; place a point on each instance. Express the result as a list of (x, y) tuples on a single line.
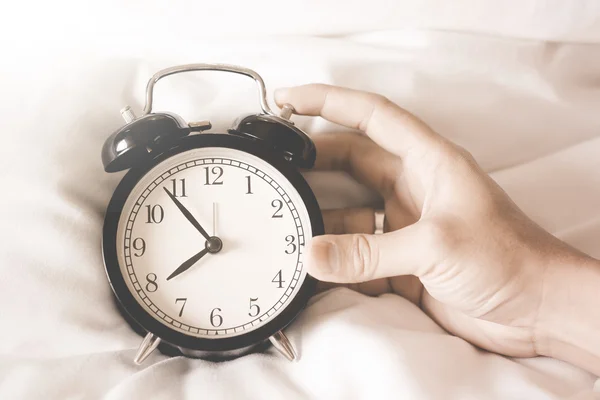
[(527, 109)]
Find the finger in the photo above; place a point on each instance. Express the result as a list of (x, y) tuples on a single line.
[(390, 126), (353, 220), (371, 288), (362, 220), (408, 286), (349, 220), (362, 257), (323, 286), (362, 158)]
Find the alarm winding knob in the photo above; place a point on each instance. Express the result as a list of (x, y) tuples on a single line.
[(127, 114), (286, 111)]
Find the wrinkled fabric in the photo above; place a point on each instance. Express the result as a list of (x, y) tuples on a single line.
[(526, 108)]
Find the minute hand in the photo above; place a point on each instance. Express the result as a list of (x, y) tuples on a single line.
[(188, 215)]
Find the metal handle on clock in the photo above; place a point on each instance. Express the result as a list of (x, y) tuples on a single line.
[(262, 91)]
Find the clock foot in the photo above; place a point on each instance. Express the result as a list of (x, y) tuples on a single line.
[(283, 345), (146, 348)]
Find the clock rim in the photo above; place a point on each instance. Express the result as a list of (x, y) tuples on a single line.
[(144, 319)]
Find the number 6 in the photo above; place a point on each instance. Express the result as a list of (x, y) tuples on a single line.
[(217, 317)]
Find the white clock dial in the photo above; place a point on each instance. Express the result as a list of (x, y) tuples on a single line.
[(239, 198)]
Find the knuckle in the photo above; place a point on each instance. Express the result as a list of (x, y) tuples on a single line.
[(465, 155), (379, 101), (454, 159), (364, 257), (462, 157)]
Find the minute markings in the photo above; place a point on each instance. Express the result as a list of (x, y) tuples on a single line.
[(292, 279)]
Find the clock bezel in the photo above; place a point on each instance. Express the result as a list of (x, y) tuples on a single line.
[(117, 281)]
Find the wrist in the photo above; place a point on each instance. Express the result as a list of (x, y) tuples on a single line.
[(569, 316)]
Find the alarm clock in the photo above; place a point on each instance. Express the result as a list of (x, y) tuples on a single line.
[(204, 237)]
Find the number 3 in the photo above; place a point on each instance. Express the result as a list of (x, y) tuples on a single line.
[(290, 244)]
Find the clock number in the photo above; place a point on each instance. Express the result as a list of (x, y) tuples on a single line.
[(155, 214), (215, 319), (139, 244), (151, 286), (178, 190), (278, 204), (254, 307), (278, 280), (184, 300), (290, 239), (249, 185), (218, 171)]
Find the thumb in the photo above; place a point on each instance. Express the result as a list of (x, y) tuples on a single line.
[(360, 258)]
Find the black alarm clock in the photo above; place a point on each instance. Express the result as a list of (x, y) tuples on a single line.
[(204, 238)]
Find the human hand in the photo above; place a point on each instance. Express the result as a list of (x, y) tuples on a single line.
[(481, 263)]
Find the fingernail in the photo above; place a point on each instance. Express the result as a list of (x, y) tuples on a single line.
[(322, 258)]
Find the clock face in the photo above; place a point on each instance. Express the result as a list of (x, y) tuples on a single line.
[(250, 268)]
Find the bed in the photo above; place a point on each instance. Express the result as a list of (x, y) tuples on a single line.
[(516, 85)]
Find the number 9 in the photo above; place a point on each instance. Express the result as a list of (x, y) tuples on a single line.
[(140, 245)]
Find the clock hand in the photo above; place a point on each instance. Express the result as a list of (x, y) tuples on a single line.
[(188, 264), (188, 215), (214, 219)]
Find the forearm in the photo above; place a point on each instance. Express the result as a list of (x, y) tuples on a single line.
[(569, 321)]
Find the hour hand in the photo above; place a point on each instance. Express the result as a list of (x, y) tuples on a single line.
[(187, 214), (188, 264)]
